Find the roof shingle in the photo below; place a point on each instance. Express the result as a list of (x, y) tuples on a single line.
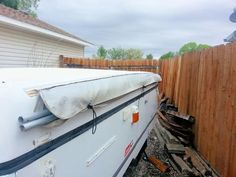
[(24, 17)]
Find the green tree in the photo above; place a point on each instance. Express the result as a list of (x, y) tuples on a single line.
[(189, 47), (149, 56), (167, 55), (192, 46), (119, 53), (116, 53), (10, 3), (101, 53), (28, 6), (202, 46), (133, 53)]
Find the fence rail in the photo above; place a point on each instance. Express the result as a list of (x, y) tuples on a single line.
[(130, 65), (203, 84)]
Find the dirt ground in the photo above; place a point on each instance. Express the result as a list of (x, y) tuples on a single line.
[(146, 169)]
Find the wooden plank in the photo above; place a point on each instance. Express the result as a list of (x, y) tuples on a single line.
[(183, 167), (158, 164), (232, 120), (175, 148), (197, 162), (220, 112), (212, 96), (226, 127)]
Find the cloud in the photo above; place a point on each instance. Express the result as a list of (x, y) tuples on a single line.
[(155, 26)]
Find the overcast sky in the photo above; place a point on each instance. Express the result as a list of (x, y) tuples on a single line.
[(154, 26)]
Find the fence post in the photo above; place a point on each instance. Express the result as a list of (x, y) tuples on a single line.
[(61, 61)]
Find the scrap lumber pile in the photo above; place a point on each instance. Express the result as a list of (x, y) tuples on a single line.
[(174, 130)]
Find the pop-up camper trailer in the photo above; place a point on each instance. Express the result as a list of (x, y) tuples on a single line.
[(73, 122)]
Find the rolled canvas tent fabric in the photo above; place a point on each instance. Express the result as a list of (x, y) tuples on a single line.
[(65, 101), (66, 92)]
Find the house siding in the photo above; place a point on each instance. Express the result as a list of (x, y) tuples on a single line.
[(19, 48)]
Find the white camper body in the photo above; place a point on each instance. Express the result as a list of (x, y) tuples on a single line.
[(73, 122)]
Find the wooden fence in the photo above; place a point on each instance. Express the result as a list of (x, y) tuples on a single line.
[(203, 84), (130, 65)]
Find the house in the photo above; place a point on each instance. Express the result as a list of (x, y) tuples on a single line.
[(26, 41), (232, 36), (232, 17)]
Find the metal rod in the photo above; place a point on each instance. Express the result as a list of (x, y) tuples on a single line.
[(34, 117), (42, 121)]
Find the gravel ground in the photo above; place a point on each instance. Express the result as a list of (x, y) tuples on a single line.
[(146, 169)]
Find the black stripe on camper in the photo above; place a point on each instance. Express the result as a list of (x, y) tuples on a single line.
[(33, 155)]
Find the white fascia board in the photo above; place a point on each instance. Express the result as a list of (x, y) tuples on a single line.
[(39, 30)]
